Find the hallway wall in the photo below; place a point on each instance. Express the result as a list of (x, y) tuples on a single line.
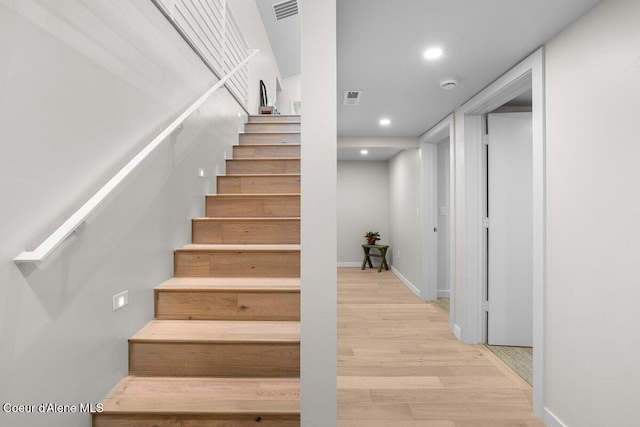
[(593, 206), (404, 229), (85, 85), (291, 92), (363, 205)]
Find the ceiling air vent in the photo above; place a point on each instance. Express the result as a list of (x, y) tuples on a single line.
[(285, 9), (352, 97)]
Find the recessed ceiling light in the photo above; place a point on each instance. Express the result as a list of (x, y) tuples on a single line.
[(364, 152), (385, 122), (433, 53)]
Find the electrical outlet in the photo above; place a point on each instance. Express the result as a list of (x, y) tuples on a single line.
[(120, 300), (398, 253), (443, 210)]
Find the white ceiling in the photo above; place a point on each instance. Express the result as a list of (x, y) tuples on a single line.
[(381, 42), (380, 47), (284, 36)]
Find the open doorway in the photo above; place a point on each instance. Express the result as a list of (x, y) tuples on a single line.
[(471, 249), (438, 220)]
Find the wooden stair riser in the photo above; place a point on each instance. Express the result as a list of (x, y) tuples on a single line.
[(214, 359), (188, 420), (273, 118), (215, 231), (266, 151), (224, 350), (263, 166), (269, 138), (258, 184), (253, 206), (226, 305), (236, 264), (254, 127)]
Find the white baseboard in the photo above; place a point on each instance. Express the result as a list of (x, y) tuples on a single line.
[(405, 281), (551, 420), (349, 264), (443, 294), (457, 332)]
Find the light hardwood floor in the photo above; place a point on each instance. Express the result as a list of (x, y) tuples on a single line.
[(399, 366)]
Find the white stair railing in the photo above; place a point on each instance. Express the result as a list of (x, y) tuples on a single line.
[(212, 31), (232, 74)]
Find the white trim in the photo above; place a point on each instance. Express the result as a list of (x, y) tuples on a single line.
[(469, 194), (539, 230), (551, 420), (74, 221), (428, 238), (443, 294), (457, 332), (404, 280), (349, 264), (429, 268)]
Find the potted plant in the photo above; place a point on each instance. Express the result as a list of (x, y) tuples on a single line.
[(372, 237)]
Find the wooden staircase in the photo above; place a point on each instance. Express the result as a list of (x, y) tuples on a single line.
[(224, 348)]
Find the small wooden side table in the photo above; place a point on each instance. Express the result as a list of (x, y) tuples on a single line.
[(382, 249)]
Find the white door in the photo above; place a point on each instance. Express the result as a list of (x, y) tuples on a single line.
[(510, 233)]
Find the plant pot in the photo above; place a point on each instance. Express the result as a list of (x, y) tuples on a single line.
[(371, 241)]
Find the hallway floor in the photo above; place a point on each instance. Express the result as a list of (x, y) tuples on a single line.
[(398, 364), (520, 359)]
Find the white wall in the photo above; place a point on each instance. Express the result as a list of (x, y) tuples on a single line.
[(363, 205), (85, 85), (318, 299), (404, 229), (263, 66), (593, 206), (442, 163), (291, 87)]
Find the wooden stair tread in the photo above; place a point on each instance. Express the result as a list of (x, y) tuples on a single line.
[(274, 132), (219, 331), (261, 159), (247, 219), (205, 396), (252, 195), (268, 145), (241, 248), (254, 175), (268, 116), (289, 122), (235, 284)]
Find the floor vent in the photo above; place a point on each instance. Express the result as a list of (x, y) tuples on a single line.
[(285, 9), (352, 97)]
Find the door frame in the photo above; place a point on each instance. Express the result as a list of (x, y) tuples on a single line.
[(428, 207), (470, 251)]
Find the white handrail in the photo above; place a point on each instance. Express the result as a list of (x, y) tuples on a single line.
[(74, 221)]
